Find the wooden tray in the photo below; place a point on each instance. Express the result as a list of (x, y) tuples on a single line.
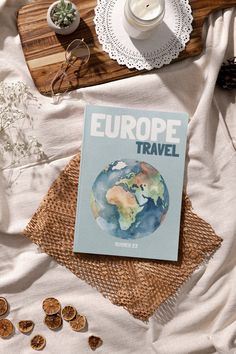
[(44, 50)]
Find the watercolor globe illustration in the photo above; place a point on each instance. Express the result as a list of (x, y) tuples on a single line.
[(129, 199)]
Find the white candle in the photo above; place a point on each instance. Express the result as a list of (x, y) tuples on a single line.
[(142, 16)]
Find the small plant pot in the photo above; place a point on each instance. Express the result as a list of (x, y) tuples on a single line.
[(63, 30)]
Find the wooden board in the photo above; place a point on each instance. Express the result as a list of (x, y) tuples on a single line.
[(44, 50)]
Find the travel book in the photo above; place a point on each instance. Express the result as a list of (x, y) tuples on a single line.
[(130, 183)]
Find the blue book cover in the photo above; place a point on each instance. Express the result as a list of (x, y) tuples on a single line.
[(130, 184)]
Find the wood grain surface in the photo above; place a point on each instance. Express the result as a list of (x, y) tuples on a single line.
[(45, 51)]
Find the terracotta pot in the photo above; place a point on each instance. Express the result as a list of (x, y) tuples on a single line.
[(63, 30)]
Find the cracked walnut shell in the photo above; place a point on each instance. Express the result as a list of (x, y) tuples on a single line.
[(51, 306), (6, 328), (94, 342), (38, 342)]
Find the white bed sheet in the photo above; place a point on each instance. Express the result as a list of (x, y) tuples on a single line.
[(204, 317)]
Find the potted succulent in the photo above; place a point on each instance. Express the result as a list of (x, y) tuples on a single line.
[(63, 17)]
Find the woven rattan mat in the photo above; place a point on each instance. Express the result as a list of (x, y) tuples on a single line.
[(140, 286)]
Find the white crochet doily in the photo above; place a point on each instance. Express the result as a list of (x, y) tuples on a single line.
[(165, 44)]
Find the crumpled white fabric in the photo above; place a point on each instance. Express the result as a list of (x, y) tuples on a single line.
[(203, 319)]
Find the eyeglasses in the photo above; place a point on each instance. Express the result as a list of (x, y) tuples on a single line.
[(77, 54)]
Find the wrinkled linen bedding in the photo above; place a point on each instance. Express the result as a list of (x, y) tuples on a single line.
[(203, 318)]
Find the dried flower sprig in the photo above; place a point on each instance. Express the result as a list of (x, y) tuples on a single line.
[(227, 74), (15, 121)]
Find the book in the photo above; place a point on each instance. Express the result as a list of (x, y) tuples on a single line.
[(130, 183)]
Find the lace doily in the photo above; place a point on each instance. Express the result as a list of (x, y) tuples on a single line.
[(164, 45)]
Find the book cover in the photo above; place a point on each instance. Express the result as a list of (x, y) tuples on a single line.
[(130, 184)]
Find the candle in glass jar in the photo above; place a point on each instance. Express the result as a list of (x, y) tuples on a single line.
[(142, 16)]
